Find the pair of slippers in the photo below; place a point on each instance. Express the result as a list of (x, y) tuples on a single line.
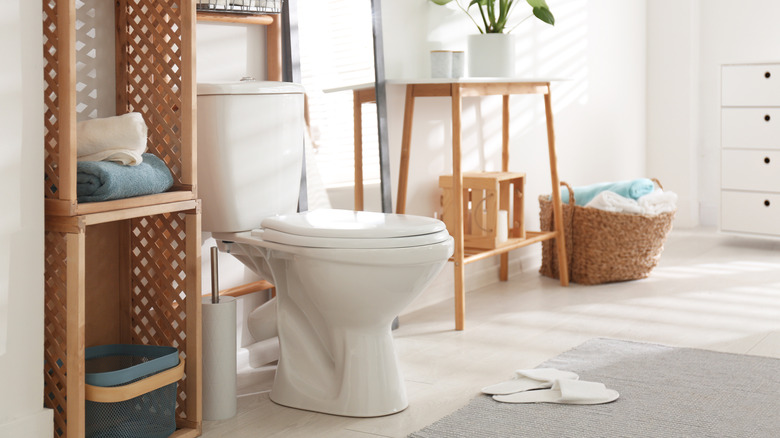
[(549, 385)]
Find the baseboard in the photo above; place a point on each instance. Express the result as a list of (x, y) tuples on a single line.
[(478, 275), (37, 425)]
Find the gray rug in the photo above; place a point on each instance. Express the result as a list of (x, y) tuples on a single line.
[(664, 392)]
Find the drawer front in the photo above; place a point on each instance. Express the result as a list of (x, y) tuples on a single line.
[(751, 85), (752, 128), (751, 170), (746, 212)]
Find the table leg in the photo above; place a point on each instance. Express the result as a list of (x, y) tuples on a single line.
[(406, 140), (556, 194), (457, 190), (357, 111), (504, 269)]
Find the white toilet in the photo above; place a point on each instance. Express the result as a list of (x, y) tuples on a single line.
[(341, 276)]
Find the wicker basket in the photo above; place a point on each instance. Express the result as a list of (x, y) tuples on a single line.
[(603, 246)]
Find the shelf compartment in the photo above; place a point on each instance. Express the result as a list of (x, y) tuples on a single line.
[(475, 254), (133, 281), (154, 76)]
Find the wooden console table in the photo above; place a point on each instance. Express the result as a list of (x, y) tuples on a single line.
[(456, 89)]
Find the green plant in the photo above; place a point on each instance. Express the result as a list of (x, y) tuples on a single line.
[(495, 13)]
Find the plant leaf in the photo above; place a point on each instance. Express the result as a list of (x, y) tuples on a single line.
[(538, 4), (544, 14), (441, 2), (478, 2)]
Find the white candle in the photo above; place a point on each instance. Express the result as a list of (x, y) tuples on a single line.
[(502, 232)]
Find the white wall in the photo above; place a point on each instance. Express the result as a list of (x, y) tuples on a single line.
[(598, 46), (672, 101), (21, 223), (728, 35), (685, 52)]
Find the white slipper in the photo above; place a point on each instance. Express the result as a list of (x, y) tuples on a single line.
[(527, 380), (570, 392)]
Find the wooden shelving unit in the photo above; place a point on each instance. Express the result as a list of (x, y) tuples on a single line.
[(273, 36), (125, 271)]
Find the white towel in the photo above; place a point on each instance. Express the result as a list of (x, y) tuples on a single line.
[(121, 139), (658, 202), (611, 201)]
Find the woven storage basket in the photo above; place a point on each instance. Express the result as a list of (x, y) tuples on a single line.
[(603, 246), (130, 391)]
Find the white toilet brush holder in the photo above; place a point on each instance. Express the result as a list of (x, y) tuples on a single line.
[(219, 352)]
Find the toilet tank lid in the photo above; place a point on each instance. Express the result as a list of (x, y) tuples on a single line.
[(353, 224), (248, 87)]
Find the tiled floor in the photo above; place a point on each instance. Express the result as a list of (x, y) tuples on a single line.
[(709, 291)]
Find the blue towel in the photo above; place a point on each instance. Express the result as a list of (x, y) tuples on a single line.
[(633, 189), (106, 180)]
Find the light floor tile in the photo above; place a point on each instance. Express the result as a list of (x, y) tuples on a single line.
[(709, 291)]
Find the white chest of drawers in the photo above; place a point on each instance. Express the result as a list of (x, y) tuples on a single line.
[(750, 149)]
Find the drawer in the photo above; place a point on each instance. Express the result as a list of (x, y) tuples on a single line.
[(751, 170), (747, 212), (753, 128), (750, 85)]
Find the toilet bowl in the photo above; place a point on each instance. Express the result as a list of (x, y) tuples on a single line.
[(336, 299), (340, 276)]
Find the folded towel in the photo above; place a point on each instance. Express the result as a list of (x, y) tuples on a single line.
[(105, 180), (633, 189), (120, 138), (658, 202), (611, 201)]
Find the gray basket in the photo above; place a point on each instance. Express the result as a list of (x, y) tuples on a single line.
[(131, 391)]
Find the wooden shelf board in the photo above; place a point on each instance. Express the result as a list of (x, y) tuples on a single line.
[(226, 17), (473, 254), (75, 224), (57, 207)]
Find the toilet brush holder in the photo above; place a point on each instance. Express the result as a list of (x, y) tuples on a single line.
[(219, 358), (219, 350)]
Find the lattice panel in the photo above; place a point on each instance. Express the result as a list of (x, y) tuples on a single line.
[(158, 296), (52, 112), (55, 326), (153, 55)]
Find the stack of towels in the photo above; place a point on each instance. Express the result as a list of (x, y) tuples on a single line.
[(638, 196), (112, 163)]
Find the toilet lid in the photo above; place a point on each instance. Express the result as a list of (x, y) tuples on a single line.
[(352, 229)]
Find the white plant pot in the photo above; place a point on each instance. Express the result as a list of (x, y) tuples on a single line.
[(491, 55)]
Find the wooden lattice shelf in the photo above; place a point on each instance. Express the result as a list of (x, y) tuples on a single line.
[(155, 77), (125, 271)]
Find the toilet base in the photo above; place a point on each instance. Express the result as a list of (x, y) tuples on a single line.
[(362, 379)]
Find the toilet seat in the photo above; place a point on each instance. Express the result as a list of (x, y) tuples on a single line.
[(352, 229)]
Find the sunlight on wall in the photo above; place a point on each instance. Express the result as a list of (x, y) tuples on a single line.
[(10, 158), (560, 52), (95, 55), (336, 48)]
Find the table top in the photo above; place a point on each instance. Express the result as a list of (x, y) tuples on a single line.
[(367, 85), (466, 80)]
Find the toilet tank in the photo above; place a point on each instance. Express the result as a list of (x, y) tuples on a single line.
[(250, 152)]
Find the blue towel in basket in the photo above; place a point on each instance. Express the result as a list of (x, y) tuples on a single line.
[(106, 180), (634, 189)]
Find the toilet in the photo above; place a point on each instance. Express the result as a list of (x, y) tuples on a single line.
[(341, 276)]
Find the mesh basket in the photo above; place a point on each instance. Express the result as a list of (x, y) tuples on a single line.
[(131, 391), (603, 246), (241, 6)]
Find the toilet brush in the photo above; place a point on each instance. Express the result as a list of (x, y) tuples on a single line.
[(219, 351)]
